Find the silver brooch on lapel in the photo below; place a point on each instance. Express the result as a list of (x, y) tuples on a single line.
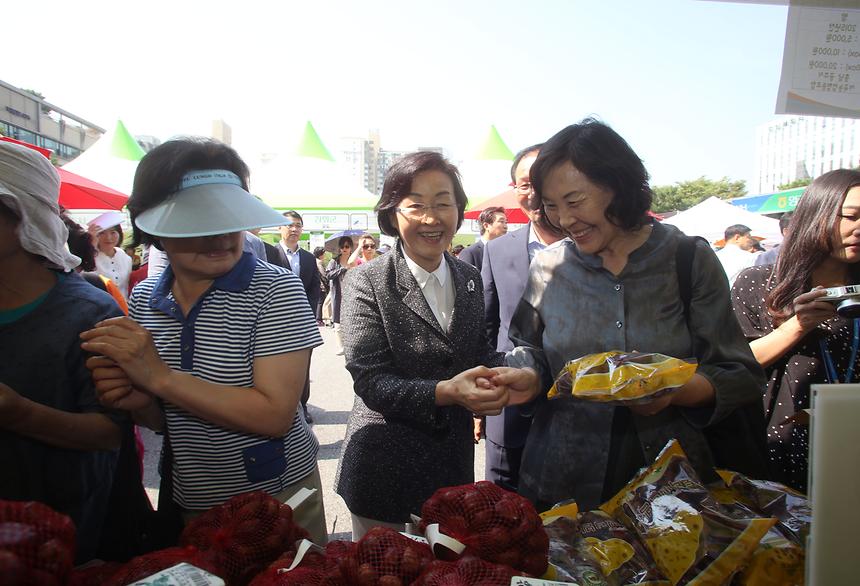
[(470, 286)]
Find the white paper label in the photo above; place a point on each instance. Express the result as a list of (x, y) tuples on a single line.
[(183, 574)]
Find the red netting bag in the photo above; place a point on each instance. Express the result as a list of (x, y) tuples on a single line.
[(467, 571), (151, 563), (315, 568), (244, 535), (384, 557), (496, 525), (37, 544), (93, 575)]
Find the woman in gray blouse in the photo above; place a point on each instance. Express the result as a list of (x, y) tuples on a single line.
[(613, 285)]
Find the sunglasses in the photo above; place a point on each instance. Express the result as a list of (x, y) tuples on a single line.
[(369, 246)]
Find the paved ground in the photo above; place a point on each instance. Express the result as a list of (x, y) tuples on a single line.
[(330, 405)]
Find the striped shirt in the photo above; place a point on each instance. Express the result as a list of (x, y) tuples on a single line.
[(254, 310)]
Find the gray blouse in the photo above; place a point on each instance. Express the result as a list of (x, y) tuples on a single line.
[(571, 307)]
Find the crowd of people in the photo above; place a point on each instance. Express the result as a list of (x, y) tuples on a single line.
[(211, 344)]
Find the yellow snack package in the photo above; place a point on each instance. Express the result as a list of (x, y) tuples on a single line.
[(775, 562), (772, 499), (622, 557), (622, 377), (692, 538)]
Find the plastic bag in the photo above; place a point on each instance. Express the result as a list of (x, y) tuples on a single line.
[(566, 561), (621, 555), (623, 378), (689, 535), (773, 499), (496, 525)]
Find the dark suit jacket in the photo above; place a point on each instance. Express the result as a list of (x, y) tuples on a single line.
[(399, 446), (308, 271), (474, 254), (505, 272)]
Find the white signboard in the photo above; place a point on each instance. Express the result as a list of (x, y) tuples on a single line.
[(330, 222), (315, 240), (821, 63), (358, 221)]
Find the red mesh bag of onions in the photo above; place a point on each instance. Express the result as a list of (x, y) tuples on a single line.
[(314, 568), (95, 574), (384, 557), (467, 571), (244, 535), (151, 563), (495, 525), (37, 544)]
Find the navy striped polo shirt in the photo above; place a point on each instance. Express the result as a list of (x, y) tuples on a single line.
[(254, 310)]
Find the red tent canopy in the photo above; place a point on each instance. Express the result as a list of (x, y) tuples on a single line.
[(80, 193), (506, 199), (45, 152)]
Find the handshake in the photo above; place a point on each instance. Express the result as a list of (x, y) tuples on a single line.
[(486, 391)]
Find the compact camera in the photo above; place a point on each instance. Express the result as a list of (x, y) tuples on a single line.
[(846, 299)]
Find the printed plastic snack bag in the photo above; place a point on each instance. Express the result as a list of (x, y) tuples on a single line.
[(690, 536), (617, 549), (775, 562), (773, 499), (593, 548), (566, 561), (622, 378)]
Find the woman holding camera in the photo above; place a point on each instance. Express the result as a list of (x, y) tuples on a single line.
[(799, 339)]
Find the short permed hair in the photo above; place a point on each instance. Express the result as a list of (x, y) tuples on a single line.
[(603, 156), (398, 182)]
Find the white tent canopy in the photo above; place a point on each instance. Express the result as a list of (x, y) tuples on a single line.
[(111, 160), (291, 181), (710, 218)]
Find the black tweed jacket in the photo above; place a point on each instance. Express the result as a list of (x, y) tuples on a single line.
[(399, 446)]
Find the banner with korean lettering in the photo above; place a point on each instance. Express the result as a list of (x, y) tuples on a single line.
[(821, 61)]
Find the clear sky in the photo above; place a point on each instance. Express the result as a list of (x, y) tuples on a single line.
[(684, 81)]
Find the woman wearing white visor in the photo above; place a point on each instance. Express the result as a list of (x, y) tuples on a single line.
[(216, 348)]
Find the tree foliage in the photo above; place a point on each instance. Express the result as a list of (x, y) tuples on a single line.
[(686, 194), (793, 184)]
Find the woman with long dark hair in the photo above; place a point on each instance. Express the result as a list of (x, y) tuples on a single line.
[(799, 339)]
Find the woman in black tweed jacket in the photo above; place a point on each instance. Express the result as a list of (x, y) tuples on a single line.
[(420, 369)]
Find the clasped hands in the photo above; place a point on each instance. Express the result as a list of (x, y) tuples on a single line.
[(127, 370), (486, 391)]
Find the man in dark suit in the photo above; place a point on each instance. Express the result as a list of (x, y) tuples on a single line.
[(289, 255), (505, 272), (493, 223)]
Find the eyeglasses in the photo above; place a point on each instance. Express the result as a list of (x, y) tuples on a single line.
[(419, 210), (523, 188), (369, 246)]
